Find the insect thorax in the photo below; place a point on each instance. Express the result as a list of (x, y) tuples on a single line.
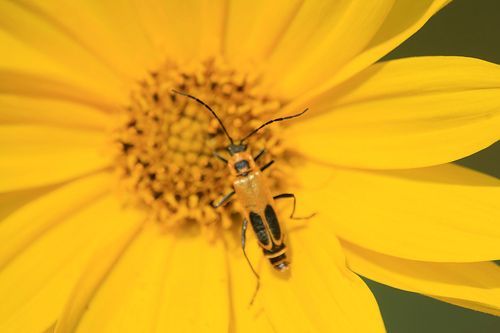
[(240, 164)]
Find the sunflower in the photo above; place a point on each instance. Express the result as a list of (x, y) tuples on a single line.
[(109, 178)]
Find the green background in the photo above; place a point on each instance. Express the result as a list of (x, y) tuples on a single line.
[(463, 28)]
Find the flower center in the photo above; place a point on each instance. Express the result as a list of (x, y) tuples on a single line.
[(165, 162)]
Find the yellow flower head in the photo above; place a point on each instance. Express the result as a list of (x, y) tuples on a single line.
[(109, 179)]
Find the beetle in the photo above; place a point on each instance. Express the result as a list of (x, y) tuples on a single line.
[(255, 197)]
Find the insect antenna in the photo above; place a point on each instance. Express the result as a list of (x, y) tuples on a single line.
[(272, 121), (208, 107)]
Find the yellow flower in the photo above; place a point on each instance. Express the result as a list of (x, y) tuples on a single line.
[(107, 177)]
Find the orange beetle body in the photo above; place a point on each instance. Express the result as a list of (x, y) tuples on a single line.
[(255, 198), (258, 207)]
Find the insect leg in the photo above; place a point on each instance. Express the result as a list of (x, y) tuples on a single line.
[(243, 237), (259, 154), (291, 195), (219, 157), (224, 199), (267, 166)]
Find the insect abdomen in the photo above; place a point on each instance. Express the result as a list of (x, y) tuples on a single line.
[(273, 249), (277, 257)]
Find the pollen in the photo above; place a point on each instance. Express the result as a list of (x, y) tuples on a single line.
[(165, 143)]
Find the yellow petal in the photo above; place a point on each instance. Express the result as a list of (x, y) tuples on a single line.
[(320, 39), (321, 286), (50, 329), (26, 110), (242, 283), (162, 282), (35, 52), (175, 26), (403, 114), (254, 28), (96, 270), (39, 155), (444, 213), (24, 226), (109, 32), (317, 288), (473, 285), (214, 27), (35, 284), (404, 19), (185, 30), (12, 201), (157, 22), (196, 294), (46, 85)]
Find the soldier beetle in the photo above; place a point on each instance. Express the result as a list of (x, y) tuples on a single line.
[(255, 197)]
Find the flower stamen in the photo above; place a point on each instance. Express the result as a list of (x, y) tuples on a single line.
[(164, 159)]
